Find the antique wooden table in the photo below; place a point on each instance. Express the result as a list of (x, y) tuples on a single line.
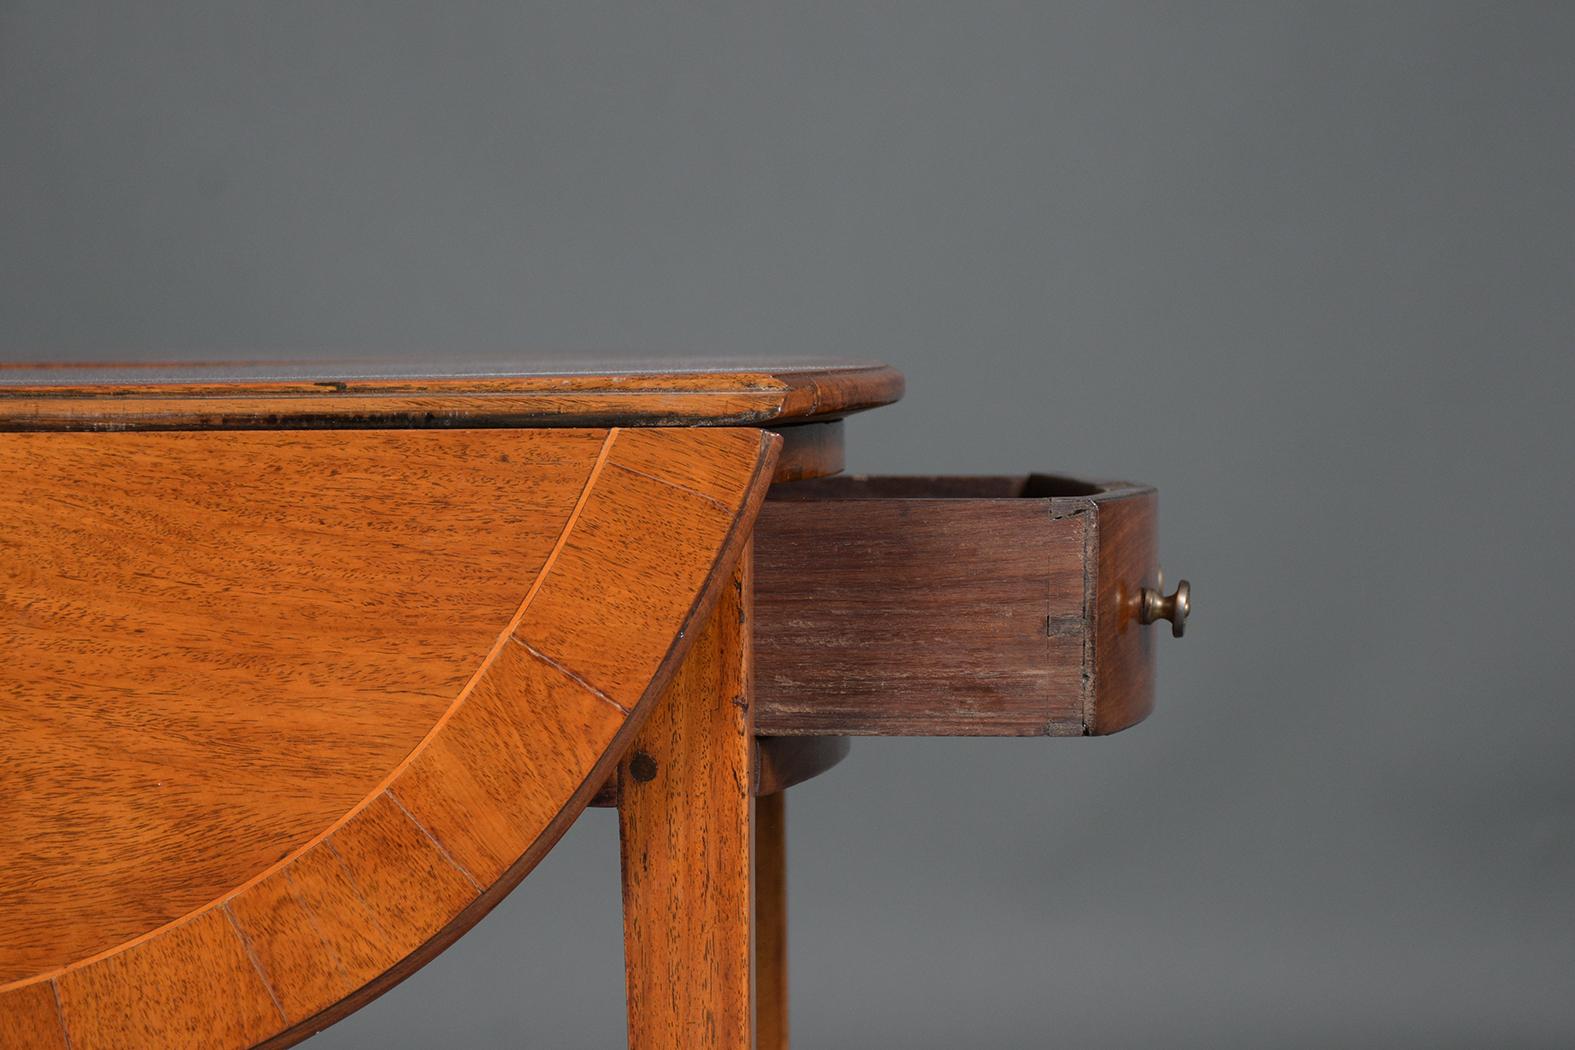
[(307, 665)]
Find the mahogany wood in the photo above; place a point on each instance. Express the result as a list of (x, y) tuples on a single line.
[(1124, 556), (771, 960), (309, 668), (783, 761), (810, 450), (685, 820), (370, 393), (779, 763), (288, 712), (953, 606), (30, 1017)]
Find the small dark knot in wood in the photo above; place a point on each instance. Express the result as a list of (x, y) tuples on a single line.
[(642, 767)]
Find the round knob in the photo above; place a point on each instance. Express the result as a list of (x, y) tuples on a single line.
[(1174, 607)]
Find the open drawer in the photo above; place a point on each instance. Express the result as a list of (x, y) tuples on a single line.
[(980, 606)]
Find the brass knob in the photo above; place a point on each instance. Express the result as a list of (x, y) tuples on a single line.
[(1175, 607)]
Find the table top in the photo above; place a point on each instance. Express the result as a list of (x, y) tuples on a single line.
[(390, 392)]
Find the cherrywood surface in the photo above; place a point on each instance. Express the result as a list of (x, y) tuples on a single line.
[(685, 821), (953, 606), (287, 712), (383, 393)]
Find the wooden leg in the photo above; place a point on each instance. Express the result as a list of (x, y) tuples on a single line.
[(771, 979), (685, 819)]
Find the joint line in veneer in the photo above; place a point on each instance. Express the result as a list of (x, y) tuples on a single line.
[(573, 519), (674, 485), (442, 852), (60, 1013), (567, 673), (251, 955)]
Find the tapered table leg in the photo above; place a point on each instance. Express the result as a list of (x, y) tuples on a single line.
[(685, 820), (771, 975)]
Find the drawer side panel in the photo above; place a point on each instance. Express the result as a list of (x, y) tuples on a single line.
[(933, 617)]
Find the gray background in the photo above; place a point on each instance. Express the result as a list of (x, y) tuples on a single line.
[(1306, 268)]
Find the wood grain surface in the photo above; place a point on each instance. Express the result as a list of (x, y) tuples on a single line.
[(373, 393), (287, 712), (771, 944), (953, 606), (783, 761), (30, 1016), (1124, 557), (779, 763), (685, 821), (810, 450)]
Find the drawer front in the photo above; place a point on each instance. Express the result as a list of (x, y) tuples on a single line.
[(953, 606)]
